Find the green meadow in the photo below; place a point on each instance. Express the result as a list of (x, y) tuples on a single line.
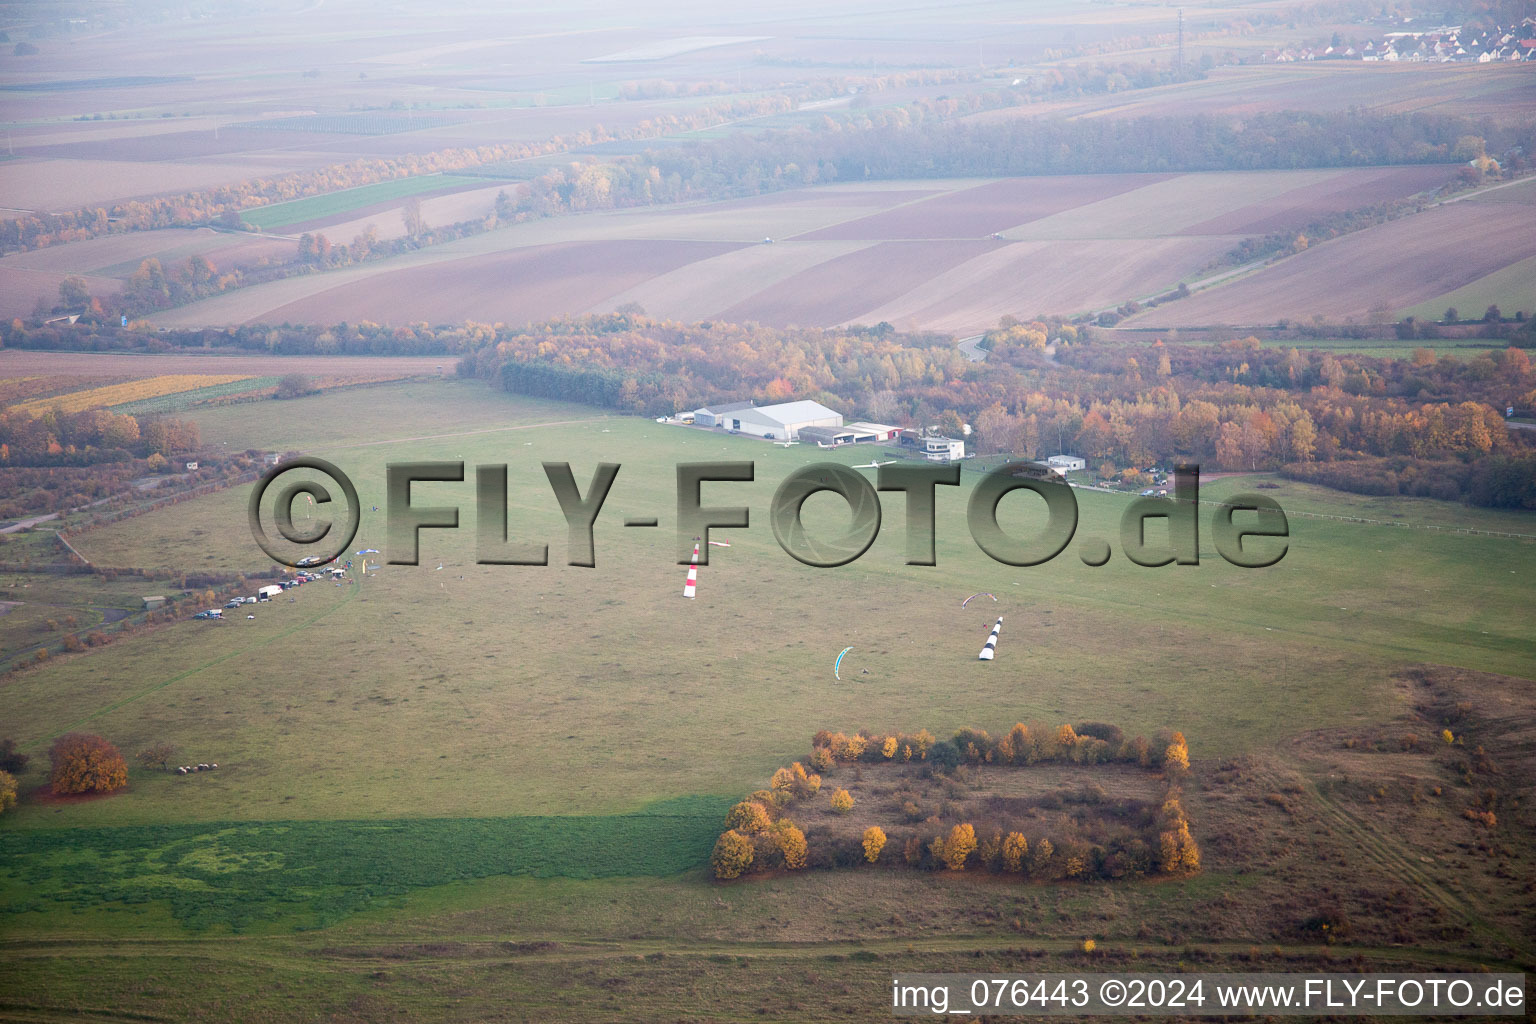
[(487, 684), (298, 211), (526, 756)]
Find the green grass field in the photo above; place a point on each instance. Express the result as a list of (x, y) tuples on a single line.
[(633, 695), (1512, 289), (281, 215), (508, 757)]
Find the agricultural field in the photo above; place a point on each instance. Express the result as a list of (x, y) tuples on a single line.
[(1501, 91), (106, 263), (1412, 263), (318, 209), (120, 255), (63, 367), (57, 184), (435, 786), (207, 109), (112, 395), (579, 732), (22, 290), (137, 389), (918, 254)]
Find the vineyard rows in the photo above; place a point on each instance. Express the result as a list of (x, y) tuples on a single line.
[(130, 391)]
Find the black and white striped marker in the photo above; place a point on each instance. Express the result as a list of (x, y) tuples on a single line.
[(991, 647)]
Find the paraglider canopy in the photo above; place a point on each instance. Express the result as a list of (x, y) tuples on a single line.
[(975, 596), (837, 666)]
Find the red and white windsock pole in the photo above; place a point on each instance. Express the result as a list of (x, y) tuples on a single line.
[(991, 645), (692, 586)]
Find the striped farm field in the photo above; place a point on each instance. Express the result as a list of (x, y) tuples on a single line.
[(182, 399), (15, 390), (129, 391)]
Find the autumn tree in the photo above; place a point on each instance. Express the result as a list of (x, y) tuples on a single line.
[(1177, 850), (782, 784), (732, 855), (1015, 849), (791, 843), (922, 742), (1040, 860), (802, 784), (1018, 747), (1176, 757), (842, 801), (888, 748), (748, 817), (954, 850), (85, 763), (8, 799), (989, 851), (874, 842)]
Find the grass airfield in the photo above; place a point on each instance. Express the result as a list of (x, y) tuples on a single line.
[(501, 758)]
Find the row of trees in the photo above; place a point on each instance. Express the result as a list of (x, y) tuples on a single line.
[(1498, 481), (1086, 743), (930, 138), (1494, 376), (759, 835), (223, 204), (1233, 406), (628, 362), (54, 438), (1167, 849)]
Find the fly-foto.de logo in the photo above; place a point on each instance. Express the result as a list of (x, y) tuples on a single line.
[(1249, 530)]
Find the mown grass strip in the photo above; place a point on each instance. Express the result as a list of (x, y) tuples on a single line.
[(305, 874), (297, 211)]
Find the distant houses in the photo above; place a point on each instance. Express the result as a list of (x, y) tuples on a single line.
[(1443, 44)]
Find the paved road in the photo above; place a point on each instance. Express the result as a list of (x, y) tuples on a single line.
[(968, 348), (22, 524)]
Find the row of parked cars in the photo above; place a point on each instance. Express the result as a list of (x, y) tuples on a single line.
[(264, 594)]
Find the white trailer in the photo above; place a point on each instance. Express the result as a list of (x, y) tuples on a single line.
[(268, 593)]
